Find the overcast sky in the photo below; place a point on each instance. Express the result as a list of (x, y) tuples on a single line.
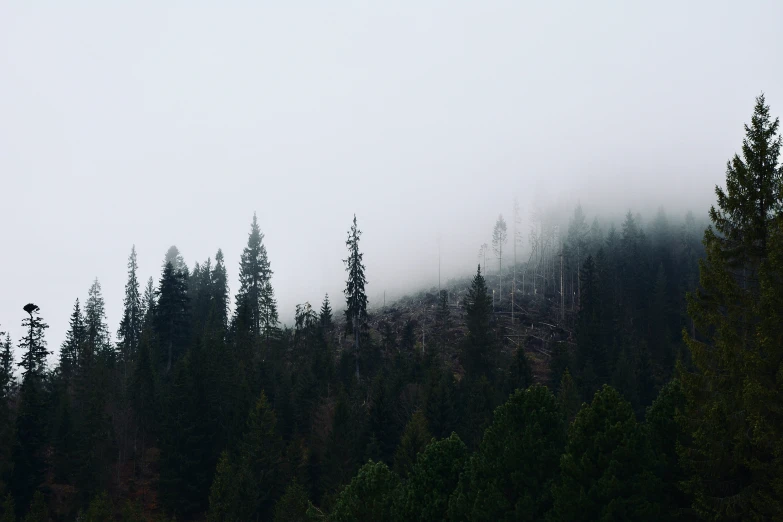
[(160, 123)]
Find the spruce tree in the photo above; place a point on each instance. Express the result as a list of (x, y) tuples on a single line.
[(129, 333), (7, 386), (607, 470), (29, 458), (355, 296), (254, 292), (511, 475), (171, 314), (478, 353), (369, 496), (499, 238), (733, 401), (325, 316), (74, 337), (148, 303), (96, 330), (415, 438), (220, 291)]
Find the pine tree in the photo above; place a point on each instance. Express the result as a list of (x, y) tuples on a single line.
[(733, 401), (7, 377), (74, 337), (568, 397), (478, 353), (355, 297), (591, 357), (129, 333), (577, 240), (519, 374), (325, 316)]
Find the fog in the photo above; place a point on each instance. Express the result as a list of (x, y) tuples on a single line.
[(153, 125)]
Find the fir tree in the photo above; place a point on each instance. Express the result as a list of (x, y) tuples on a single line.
[(129, 333), (369, 496), (148, 303)]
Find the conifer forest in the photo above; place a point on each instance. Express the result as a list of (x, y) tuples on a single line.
[(616, 371), (407, 261)]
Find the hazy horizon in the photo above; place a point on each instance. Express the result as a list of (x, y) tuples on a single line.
[(157, 125)]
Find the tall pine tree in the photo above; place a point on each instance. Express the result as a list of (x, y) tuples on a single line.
[(355, 296)]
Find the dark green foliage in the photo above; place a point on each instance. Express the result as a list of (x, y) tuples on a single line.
[(510, 477), (733, 391), (519, 375), (30, 440), (38, 512), (171, 315), (568, 397), (425, 495), (606, 472), (478, 356), (8, 509), (440, 403), (293, 505), (414, 439), (325, 317), (99, 510), (369, 496), (129, 332), (246, 481), (355, 296), (74, 337), (665, 435)]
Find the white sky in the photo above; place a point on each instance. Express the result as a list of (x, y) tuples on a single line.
[(159, 123)]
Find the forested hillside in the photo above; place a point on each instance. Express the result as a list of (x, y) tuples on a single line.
[(584, 370)]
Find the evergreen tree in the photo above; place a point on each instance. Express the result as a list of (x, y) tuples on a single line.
[(591, 358), (733, 401), (415, 438), (255, 274), (38, 511), (7, 428), (220, 291), (510, 477), (325, 316), (171, 314), (29, 458), (246, 482), (355, 297), (568, 397), (519, 374), (8, 509), (606, 471), (478, 354), (294, 505), (425, 495), (96, 330), (129, 333), (369, 496), (74, 337), (443, 319), (148, 303)]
